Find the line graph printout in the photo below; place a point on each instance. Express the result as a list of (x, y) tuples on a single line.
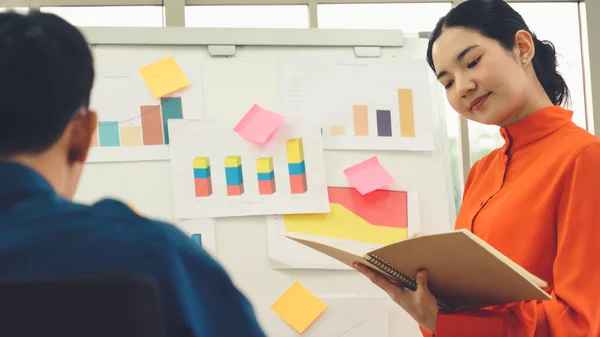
[(378, 105), (132, 123)]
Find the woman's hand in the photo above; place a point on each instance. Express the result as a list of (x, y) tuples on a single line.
[(420, 304)]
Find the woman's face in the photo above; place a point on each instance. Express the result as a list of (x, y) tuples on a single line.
[(483, 81)]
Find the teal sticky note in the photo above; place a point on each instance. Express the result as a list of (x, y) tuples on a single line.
[(197, 238)]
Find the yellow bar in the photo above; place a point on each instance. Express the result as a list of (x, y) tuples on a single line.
[(201, 162), (131, 135), (361, 120), (407, 113), (264, 165), (295, 150), (233, 161), (338, 130)]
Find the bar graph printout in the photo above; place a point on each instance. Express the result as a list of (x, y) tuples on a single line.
[(218, 173), (378, 105), (132, 123)]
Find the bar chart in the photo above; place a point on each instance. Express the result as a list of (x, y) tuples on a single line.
[(383, 119), (217, 173), (152, 131), (370, 105), (265, 173)]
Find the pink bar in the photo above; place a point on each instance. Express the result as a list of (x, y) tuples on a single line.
[(298, 183), (266, 186), (203, 187), (235, 190)]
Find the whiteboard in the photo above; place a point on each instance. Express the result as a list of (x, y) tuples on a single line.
[(230, 85)]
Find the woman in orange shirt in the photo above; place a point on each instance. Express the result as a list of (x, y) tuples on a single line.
[(534, 199)]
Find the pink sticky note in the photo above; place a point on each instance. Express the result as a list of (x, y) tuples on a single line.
[(258, 125), (368, 176)]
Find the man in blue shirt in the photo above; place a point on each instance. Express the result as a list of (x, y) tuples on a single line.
[(46, 128)]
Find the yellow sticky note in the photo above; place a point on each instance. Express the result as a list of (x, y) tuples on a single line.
[(164, 77), (298, 307), (133, 208)]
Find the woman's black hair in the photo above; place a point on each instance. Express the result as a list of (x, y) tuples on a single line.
[(497, 20)]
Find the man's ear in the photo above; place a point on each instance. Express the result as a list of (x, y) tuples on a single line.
[(524, 47), (83, 129)]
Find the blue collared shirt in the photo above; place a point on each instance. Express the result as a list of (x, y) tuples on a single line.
[(44, 235)]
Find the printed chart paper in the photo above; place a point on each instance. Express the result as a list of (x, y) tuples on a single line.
[(344, 317), (357, 222), (202, 231), (133, 124), (378, 105), (217, 173)]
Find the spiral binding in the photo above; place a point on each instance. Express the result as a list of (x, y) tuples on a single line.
[(405, 280)]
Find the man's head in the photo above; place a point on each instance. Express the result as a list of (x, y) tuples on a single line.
[(46, 78)]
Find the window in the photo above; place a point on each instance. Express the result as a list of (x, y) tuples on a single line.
[(566, 38), (567, 41), (410, 17), (16, 9), (107, 16), (247, 16)]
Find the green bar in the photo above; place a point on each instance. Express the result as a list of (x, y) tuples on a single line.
[(171, 109)]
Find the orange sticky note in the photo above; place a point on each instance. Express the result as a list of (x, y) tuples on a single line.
[(298, 307), (368, 176), (164, 77), (259, 125)]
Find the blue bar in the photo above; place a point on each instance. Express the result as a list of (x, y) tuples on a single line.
[(233, 176), (197, 238), (202, 173), (266, 176), (171, 109), (297, 168), (109, 133)]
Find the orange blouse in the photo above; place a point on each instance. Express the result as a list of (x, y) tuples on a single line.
[(537, 200)]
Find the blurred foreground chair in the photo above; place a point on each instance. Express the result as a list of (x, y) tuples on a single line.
[(83, 307)]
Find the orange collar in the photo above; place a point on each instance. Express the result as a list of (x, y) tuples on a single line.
[(535, 127)]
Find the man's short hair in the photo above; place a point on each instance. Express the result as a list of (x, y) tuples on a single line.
[(46, 75)]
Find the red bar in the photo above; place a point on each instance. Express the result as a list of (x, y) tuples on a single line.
[(235, 190), (298, 183), (152, 132), (203, 187), (266, 186)]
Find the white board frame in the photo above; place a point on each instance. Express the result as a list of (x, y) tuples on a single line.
[(358, 39), (254, 276)]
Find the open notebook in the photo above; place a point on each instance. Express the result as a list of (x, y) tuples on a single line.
[(464, 272)]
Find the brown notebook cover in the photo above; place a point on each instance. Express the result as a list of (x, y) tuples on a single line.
[(464, 272)]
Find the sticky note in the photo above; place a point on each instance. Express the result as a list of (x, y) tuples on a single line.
[(164, 77), (259, 125), (133, 208), (298, 307), (368, 176)]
